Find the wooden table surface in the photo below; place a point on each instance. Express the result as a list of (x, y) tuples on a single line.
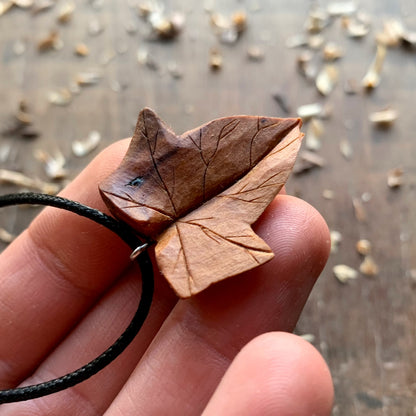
[(365, 328)]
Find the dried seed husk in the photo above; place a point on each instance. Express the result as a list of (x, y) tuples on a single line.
[(54, 165), (383, 118), (314, 133), (5, 6), (296, 41), (66, 12), (82, 148), (308, 337), (316, 41), (409, 39), (363, 247), (327, 79), (345, 149), (239, 21), (308, 111), (332, 52), (328, 194), (17, 178), (393, 31), (336, 238), (81, 49), (255, 53), (60, 97), (306, 161), (144, 57), (356, 28), (6, 237), (359, 210), (215, 60), (372, 77), (344, 273), (369, 267), (341, 8), (395, 178), (317, 20), (91, 77), (49, 42)]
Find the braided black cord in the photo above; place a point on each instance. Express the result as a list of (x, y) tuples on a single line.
[(145, 264)]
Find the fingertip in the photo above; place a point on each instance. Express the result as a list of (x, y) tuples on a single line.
[(275, 374)]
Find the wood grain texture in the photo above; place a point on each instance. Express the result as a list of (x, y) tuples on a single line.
[(206, 186)]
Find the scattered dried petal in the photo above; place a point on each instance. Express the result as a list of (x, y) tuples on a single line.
[(359, 210), (345, 149), (369, 267), (81, 49), (66, 12), (363, 247), (60, 97), (313, 134), (54, 165), (344, 273), (17, 178), (383, 118), (372, 77), (395, 178), (327, 79), (82, 148), (336, 238), (6, 237)]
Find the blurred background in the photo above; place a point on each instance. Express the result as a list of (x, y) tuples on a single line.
[(75, 74)]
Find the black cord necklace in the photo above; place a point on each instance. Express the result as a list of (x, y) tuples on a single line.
[(145, 264)]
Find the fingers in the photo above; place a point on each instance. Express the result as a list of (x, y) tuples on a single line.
[(54, 272), (275, 374), (191, 352)]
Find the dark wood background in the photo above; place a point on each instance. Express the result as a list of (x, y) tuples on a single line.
[(366, 328)]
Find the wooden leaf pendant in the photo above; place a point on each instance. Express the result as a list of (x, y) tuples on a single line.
[(198, 194)]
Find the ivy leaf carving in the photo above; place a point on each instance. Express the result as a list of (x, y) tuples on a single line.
[(198, 194)]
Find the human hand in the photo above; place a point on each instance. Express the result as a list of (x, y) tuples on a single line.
[(68, 289)]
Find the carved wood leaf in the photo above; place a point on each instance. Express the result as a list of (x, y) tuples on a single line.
[(198, 194)]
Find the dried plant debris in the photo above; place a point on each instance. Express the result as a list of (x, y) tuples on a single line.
[(336, 238), (215, 59), (392, 34), (359, 210), (42, 6), (308, 337), (6, 237), (145, 58), (95, 27), (357, 26), (328, 194), (341, 8), (81, 49), (363, 247), (344, 273), (230, 29), (307, 111), (395, 178), (314, 133), (373, 76), (5, 6), (306, 66), (161, 25), (54, 164), (255, 53), (281, 99), (317, 20), (90, 77), (369, 267), (308, 160), (65, 13), (61, 97), (383, 118), (19, 179), (296, 41), (327, 79), (82, 148), (52, 41), (346, 149), (21, 124), (332, 52)]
